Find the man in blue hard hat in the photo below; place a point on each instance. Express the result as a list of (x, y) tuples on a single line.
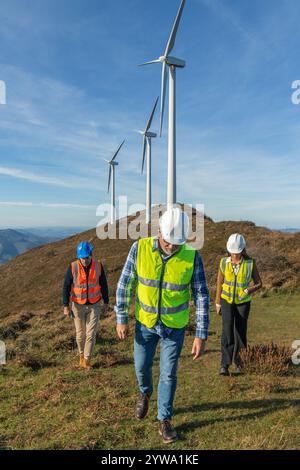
[(85, 285)]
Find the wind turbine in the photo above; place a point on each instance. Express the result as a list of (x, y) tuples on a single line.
[(147, 136), (173, 63), (112, 164)]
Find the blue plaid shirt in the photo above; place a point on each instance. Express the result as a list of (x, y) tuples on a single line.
[(128, 282)]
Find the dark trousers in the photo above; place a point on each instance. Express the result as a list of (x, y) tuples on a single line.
[(234, 333)]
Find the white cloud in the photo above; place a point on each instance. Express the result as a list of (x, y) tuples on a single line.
[(47, 205)]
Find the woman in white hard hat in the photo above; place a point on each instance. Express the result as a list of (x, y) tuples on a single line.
[(233, 299)]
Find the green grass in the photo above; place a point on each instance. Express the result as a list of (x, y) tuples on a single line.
[(52, 405)]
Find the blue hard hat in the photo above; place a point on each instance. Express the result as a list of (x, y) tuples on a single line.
[(84, 249)]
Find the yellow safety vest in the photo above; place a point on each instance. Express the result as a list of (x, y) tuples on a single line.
[(233, 286), (163, 288)]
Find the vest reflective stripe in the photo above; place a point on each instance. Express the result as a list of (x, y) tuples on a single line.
[(234, 285), (164, 310), (165, 285), (163, 288), (237, 297), (84, 296), (245, 284), (82, 292)]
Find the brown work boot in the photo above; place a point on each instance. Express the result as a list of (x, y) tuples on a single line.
[(142, 405), (87, 364), (167, 431), (80, 364), (81, 360)]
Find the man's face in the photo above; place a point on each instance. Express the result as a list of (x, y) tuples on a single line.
[(168, 248), (86, 261)]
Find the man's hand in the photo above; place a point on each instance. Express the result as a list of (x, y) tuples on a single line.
[(105, 308), (67, 311), (122, 331), (198, 347)]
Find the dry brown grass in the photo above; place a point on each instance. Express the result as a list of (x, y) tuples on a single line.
[(268, 358)]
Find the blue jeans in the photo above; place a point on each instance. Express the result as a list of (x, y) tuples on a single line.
[(145, 344)]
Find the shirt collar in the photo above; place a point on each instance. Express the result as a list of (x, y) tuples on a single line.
[(155, 244), (241, 260)]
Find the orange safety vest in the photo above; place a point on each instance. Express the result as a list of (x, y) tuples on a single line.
[(83, 291)]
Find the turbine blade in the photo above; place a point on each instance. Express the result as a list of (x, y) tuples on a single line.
[(144, 152), (172, 37), (150, 62), (117, 151), (163, 94), (109, 178), (152, 114)]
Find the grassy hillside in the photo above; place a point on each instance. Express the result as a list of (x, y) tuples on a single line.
[(47, 403)]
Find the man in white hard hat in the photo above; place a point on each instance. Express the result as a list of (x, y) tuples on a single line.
[(162, 270)]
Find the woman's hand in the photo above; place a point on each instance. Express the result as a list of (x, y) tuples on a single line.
[(218, 309)]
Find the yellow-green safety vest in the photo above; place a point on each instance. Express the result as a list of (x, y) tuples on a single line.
[(163, 288), (233, 286)]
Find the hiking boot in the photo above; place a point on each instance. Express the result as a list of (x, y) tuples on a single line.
[(80, 364), (142, 405), (81, 360), (86, 364), (224, 370), (167, 431)]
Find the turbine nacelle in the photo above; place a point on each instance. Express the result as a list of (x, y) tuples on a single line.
[(175, 62), (169, 60), (150, 134), (110, 162)]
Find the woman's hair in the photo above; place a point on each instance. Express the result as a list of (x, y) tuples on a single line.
[(244, 254)]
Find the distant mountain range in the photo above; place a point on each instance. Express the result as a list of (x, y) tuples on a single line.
[(289, 230), (13, 243), (55, 233)]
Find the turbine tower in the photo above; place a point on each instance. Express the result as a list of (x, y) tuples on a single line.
[(112, 164), (173, 63), (147, 136)]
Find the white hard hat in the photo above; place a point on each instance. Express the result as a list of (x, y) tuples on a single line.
[(236, 243), (174, 226)]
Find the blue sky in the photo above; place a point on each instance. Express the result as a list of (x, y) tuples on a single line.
[(74, 92)]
